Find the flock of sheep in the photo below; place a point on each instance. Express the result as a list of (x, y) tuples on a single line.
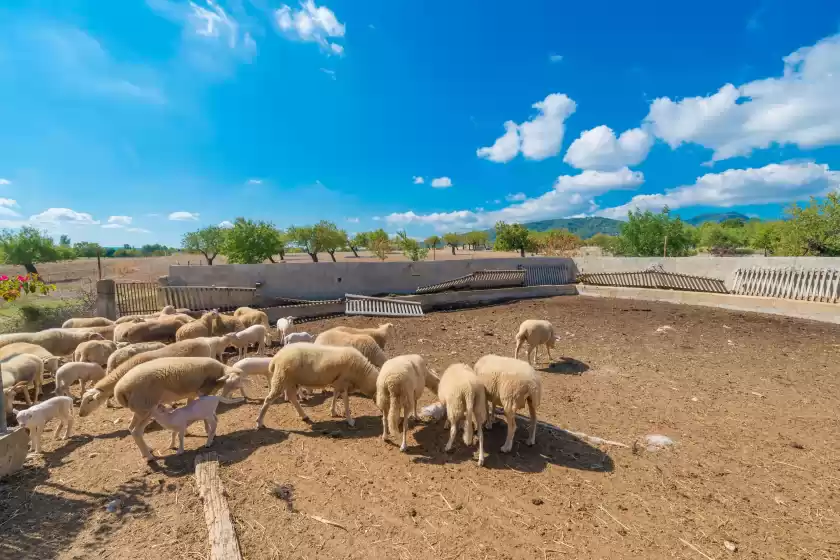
[(147, 362)]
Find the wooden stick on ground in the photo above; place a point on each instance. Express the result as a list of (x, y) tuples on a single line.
[(223, 542)]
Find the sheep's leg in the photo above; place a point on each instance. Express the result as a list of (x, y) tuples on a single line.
[(181, 434), (83, 389), (453, 431), (516, 350), (480, 446), (548, 351), (68, 424), (136, 427), (172, 440), (58, 428), (491, 416), (39, 380), (333, 411), (532, 437), (272, 395), (35, 438), (510, 418), (26, 396), (210, 425), (386, 407), (350, 421), (294, 400), (404, 444)]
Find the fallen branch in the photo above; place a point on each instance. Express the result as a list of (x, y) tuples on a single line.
[(328, 522)]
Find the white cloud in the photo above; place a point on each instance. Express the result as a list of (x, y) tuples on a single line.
[(538, 138), (120, 220), (600, 149), (112, 226), (311, 23), (6, 205), (801, 107), (254, 181), (137, 230), (418, 180), (774, 183), (441, 183), (555, 58), (517, 197), (353, 220), (183, 216), (64, 216), (226, 224), (5, 181)]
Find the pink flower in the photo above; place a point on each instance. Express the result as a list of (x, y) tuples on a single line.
[(3, 278)]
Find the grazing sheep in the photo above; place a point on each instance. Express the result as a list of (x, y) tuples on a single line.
[(203, 408), (9, 395), (255, 334), (87, 322), (97, 395), (218, 344), (381, 334), (510, 383), (51, 363), (166, 380), (125, 352), (153, 331), (361, 342), (36, 417), (76, 371), (20, 368), (399, 385), (311, 365), (536, 332), (59, 342), (461, 392), (95, 351), (199, 328), (283, 326), (224, 324), (249, 316), (291, 338)]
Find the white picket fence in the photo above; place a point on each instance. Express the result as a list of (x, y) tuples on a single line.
[(788, 283)]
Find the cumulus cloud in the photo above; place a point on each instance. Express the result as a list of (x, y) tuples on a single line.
[(599, 149), (774, 183), (538, 138), (418, 180), (63, 216), (441, 183), (6, 205), (183, 216), (801, 107), (517, 197), (120, 220), (226, 224), (311, 23)]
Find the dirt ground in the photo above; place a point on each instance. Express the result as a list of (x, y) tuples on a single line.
[(751, 402)]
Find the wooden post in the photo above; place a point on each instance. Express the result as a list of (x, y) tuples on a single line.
[(665, 247), (99, 263), (223, 542)]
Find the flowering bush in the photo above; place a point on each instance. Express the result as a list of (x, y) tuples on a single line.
[(13, 288)]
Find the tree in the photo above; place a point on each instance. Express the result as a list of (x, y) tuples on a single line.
[(559, 242), (764, 236), (358, 241), (432, 242), (330, 238), (64, 240), (645, 234), (27, 247), (411, 248), (379, 244), (88, 249), (607, 243), (513, 237), (208, 241), (720, 240), (812, 230), (307, 239), (252, 242), (452, 239)]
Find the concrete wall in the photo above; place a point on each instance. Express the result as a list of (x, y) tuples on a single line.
[(333, 280)]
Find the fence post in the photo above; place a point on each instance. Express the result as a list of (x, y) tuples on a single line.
[(106, 299)]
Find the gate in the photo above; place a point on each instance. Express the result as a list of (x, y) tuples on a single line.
[(137, 298), (381, 307)]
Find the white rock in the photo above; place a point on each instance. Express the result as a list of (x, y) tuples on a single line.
[(655, 442)]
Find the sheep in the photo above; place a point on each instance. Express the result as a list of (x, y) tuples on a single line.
[(106, 331), (463, 395), (399, 385), (203, 408), (153, 331), (536, 332), (224, 324), (381, 334), (26, 368), (121, 330), (182, 318), (76, 371), (59, 342), (87, 322), (218, 344), (96, 396), (249, 316), (51, 363), (36, 417), (361, 342), (510, 383), (135, 318), (298, 337), (199, 328), (255, 334), (310, 365), (165, 380), (283, 326), (9, 395), (95, 351), (126, 352)]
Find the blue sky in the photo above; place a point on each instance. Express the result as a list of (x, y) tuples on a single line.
[(136, 121)]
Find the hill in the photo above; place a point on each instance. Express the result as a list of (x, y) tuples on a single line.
[(582, 227), (715, 217)]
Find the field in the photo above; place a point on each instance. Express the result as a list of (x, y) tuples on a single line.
[(751, 402)]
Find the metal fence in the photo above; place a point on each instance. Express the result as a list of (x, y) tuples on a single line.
[(381, 307), (202, 298), (137, 298), (478, 280), (655, 279), (541, 275), (788, 283)]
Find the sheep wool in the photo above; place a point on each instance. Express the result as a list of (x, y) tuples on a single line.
[(87, 322), (362, 342), (463, 395), (381, 334), (51, 363), (536, 333), (59, 342), (125, 352), (21, 370), (399, 386), (95, 351)]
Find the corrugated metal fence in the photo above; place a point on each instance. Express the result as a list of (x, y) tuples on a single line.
[(200, 298), (381, 307), (135, 298), (478, 280), (788, 283), (659, 280), (540, 275)]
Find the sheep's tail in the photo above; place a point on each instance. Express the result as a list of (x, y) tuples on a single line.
[(394, 415), (469, 414)]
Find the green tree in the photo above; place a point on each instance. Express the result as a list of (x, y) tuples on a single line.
[(378, 243), (357, 242), (411, 248), (607, 243), (558, 242), (453, 240), (432, 242), (64, 240), (719, 240), (765, 236), (307, 239), (87, 249), (27, 247), (208, 241), (252, 242), (330, 238), (646, 234), (513, 237), (812, 230)]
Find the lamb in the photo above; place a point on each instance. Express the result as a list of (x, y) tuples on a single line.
[(199, 328), (21, 370), (463, 395), (36, 417), (399, 385), (76, 371), (255, 334), (153, 331), (9, 395), (203, 408), (510, 383), (283, 326), (87, 322), (165, 380), (126, 352), (95, 351), (381, 334), (311, 365), (51, 363), (291, 338), (361, 342), (59, 342), (96, 396), (218, 344), (536, 332)]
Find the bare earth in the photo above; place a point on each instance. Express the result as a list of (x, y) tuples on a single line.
[(750, 400)]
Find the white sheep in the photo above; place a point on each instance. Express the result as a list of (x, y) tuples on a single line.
[(283, 326), (202, 327), (255, 334), (510, 383), (291, 338), (463, 395), (95, 351), (381, 334), (83, 372), (86, 322), (364, 343), (160, 330), (60, 342), (203, 408), (51, 362), (311, 365), (398, 387), (127, 351), (36, 417), (106, 331), (536, 332), (166, 380), (218, 344), (21, 370)]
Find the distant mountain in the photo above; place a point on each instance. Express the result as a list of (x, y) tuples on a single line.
[(716, 217), (582, 227)]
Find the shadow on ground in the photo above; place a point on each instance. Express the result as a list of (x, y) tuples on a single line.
[(567, 366)]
